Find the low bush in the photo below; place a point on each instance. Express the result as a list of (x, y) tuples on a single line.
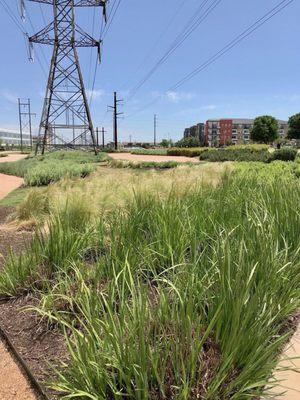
[(51, 167), (220, 155), (186, 152), (284, 154), (153, 152), (50, 171), (144, 165)]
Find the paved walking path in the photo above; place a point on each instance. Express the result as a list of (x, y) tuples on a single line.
[(13, 385), (12, 157), (290, 380), (140, 157), (8, 183)]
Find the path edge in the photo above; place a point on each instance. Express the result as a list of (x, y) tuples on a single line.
[(23, 366)]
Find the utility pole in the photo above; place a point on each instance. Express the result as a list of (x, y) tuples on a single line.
[(155, 128), (25, 121), (103, 141), (65, 91), (115, 118), (97, 136)]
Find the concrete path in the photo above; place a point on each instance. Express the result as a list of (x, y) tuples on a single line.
[(138, 157), (12, 157), (13, 385), (8, 183), (289, 380)]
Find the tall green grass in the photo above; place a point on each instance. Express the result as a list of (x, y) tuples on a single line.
[(182, 297)]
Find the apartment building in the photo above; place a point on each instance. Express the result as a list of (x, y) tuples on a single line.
[(219, 132), (196, 131), (9, 137)]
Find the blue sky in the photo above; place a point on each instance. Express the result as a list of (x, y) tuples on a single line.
[(259, 76)]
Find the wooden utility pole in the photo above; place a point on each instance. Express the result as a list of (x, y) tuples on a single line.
[(155, 128), (97, 136), (115, 118), (103, 141)]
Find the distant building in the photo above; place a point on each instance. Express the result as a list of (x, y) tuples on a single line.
[(9, 138), (196, 131), (219, 132)]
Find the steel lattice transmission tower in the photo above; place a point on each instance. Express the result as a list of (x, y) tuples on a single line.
[(66, 110)]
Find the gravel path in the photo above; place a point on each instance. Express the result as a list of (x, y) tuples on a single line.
[(13, 385), (138, 157)]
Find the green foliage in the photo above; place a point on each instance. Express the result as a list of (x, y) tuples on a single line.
[(294, 127), (144, 164), (51, 171), (236, 153), (166, 143), (186, 152), (173, 298), (265, 129), (188, 142), (153, 152), (284, 154), (42, 170)]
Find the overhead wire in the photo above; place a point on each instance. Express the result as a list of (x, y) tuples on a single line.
[(159, 38), (195, 21), (239, 38)]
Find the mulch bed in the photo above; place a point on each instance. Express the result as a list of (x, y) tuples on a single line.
[(11, 239), (38, 345)]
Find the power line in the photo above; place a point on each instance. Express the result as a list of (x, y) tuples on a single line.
[(12, 16), (189, 28), (103, 33), (239, 38), (161, 35), (276, 10), (111, 17)]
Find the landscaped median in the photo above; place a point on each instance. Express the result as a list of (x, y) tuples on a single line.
[(43, 170)]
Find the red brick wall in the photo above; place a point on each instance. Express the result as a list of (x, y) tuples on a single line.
[(225, 131)]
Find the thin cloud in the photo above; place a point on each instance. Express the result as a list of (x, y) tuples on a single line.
[(95, 94), (9, 96)]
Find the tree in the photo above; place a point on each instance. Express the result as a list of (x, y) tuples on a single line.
[(265, 129), (166, 143), (188, 142), (294, 127)]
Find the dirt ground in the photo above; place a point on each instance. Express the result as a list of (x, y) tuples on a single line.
[(13, 385), (38, 345), (138, 157)]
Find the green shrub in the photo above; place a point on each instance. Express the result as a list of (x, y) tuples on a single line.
[(42, 170), (50, 171), (236, 154), (188, 142), (186, 152), (144, 164), (284, 154), (154, 152)]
